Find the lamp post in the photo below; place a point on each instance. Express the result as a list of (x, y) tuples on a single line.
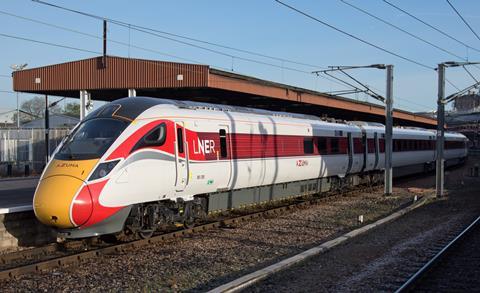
[(47, 126), (16, 67), (47, 131)]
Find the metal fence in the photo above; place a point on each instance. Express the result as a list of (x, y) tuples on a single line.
[(22, 151)]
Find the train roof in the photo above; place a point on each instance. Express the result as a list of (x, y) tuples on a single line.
[(130, 107)]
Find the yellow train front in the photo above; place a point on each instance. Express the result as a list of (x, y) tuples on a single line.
[(67, 196), (62, 198)]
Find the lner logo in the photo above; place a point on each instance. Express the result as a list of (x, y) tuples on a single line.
[(204, 146)]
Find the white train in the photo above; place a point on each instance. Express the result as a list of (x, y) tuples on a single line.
[(137, 164)]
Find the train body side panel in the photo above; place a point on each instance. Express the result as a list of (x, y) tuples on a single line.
[(152, 178)]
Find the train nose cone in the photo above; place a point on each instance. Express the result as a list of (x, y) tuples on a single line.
[(82, 207), (54, 198)]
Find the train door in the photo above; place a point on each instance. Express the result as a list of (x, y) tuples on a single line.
[(350, 152), (181, 157), (376, 144), (225, 155), (365, 149)]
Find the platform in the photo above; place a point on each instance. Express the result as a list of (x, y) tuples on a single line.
[(16, 194), (18, 225)]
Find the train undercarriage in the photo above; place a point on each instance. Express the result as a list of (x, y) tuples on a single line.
[(147, 218)]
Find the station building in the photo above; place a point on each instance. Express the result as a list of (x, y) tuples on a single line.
[(108, 78)]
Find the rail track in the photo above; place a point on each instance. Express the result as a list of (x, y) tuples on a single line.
[(460, 268), (57, 255)]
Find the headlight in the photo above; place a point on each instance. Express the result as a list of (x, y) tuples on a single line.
[(103, 169)]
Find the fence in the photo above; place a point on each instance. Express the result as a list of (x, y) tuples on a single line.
[(22, 151)]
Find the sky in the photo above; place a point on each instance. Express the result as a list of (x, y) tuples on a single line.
[(264, 27)]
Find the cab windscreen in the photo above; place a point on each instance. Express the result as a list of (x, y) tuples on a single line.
[(91, 139)]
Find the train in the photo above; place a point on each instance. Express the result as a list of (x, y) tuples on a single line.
[(139, 164)]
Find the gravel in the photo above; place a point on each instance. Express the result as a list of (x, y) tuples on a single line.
[(458, 269), (384, 258), (203, 261)]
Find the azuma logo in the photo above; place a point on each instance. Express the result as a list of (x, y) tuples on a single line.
[(67, 165), (204, 146)]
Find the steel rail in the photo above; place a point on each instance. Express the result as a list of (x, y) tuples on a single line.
[(28, 253), (415, 278), (122, 247)]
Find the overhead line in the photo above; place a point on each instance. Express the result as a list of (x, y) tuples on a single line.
[(369, 87), (430, 26), (452, 84), (214, 51), (94, 36), (416, 104), (355, 37), (403, 99), (233, 48), (406, 32), (469, 73), (368, 90), (97, 37), (5, 75), (360, 39), (47, 43), (113, 41), (402, 30), (131, 26), (149, 31), (3, 113), (463, 19), (341, 80), (197, 40)]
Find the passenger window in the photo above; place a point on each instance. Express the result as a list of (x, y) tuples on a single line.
[(381, 144), (308, 145), (358, 146), (334, 146), (223, 143), (180, 140), (322, 145), (371, 145)]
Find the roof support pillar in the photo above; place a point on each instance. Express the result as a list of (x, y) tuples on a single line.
[(85, 103), (132, 93)]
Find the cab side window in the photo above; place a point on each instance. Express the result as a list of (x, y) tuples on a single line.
[(155, 137)]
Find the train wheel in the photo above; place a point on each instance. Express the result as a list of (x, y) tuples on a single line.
[(145, 234), (189, 223)]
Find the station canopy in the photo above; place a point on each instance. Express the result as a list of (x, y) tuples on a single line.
[(109, 78)]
